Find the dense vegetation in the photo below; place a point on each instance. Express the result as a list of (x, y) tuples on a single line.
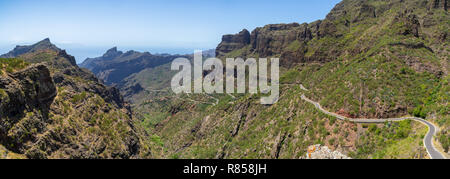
[(392, 140)]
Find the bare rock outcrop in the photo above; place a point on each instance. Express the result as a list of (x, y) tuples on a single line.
[(323, 152), (233, 42), (410, 21), (24, 92)]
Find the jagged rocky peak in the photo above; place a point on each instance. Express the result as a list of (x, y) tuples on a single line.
[(45, 44), (112, 50), (112, 53), (45, 41), (40, 46), (70, 58), (242, 37), (233, 42)]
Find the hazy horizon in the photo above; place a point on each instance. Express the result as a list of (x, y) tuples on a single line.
[(89, 28)]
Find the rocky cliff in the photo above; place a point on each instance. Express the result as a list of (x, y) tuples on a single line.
[(270, 40), (51, 108), (233, 42)]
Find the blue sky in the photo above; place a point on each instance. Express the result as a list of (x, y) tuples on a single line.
[(89, 27)]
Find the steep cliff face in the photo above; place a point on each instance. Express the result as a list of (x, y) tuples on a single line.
[(51, 108), (30, 88), (287, 41), (233, 42), (24, 106), (271, 40)]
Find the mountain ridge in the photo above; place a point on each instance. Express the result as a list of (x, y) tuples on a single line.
[(54, 109), (41, 45), (116, 65)]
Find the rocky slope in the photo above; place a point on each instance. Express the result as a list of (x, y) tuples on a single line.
[(371, 58), (51, 108)]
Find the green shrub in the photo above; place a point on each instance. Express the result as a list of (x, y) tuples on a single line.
[(79, 97), (156, 139), (445, 141), (420, 112), (12, 64), (331, 141), (373, 127)]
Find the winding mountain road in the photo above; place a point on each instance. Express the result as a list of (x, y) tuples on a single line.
[(428, 140)]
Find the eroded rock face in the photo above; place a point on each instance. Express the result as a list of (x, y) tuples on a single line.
[(112, 53), (233, 42), (287, 41), (25, 92), (270, 40), (327, 28), (410, 21)]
